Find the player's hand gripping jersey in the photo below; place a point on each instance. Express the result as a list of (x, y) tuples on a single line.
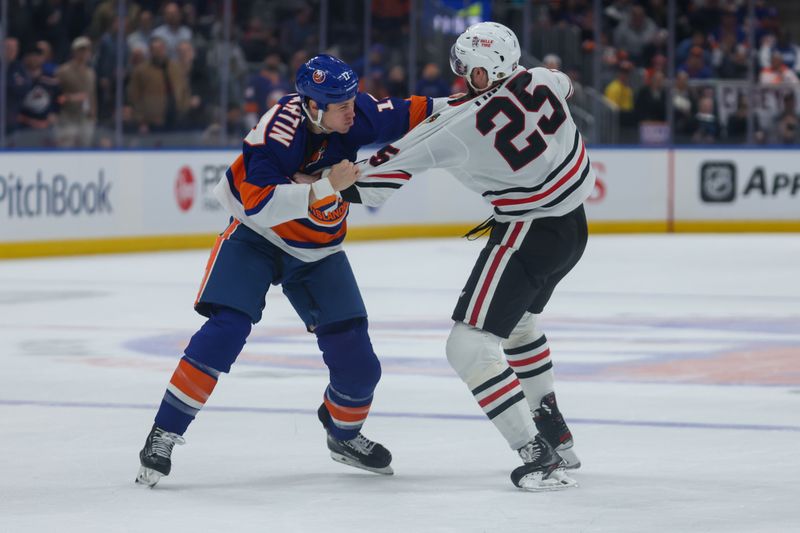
[(515, 144), (259, 191)]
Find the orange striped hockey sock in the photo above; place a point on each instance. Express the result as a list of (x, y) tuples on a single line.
[(347, 414), (191, 385)]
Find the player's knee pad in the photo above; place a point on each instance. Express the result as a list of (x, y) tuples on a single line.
[(525, 332), (347, 350), (218, 342), (474, 354)]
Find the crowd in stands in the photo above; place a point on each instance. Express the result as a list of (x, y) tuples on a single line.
[(61, 85), (711, 43)]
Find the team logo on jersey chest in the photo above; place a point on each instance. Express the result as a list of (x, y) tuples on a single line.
[(318, 76), (318, 154)]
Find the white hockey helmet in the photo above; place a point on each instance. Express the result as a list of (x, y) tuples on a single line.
[(489, 45)]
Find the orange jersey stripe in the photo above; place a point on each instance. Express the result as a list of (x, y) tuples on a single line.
[(213, 257), (417, 111), (251, 195), (323, 202), (294, 231), (238, 171), (347, 414), (192, 382)]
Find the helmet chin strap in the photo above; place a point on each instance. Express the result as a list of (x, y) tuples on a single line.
[(318, 121)]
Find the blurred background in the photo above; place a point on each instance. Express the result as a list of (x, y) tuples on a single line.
[(163, 74)]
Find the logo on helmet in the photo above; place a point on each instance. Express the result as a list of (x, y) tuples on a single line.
[(485, 43), (318, 76)]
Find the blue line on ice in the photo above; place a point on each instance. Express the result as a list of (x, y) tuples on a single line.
[(432, 416)]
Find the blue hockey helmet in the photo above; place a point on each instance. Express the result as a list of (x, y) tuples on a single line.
[(326, 80)]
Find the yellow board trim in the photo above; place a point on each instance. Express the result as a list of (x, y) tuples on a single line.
[(737, 226), (11, 250)]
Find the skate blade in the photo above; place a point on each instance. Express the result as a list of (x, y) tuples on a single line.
[(148, 477), (557, 480), (569, 459), (339, 458)]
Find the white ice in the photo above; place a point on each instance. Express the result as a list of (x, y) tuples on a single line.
[(678, 368)]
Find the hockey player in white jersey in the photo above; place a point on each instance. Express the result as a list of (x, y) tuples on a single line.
[(512, 140)]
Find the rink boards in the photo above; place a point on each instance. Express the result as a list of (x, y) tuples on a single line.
[(54, 203)]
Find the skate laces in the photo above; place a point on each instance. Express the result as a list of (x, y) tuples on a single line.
[(361, 444), (531, 452), (164, 441)]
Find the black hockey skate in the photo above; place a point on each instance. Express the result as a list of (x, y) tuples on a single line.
[(359, 452), (550, 423), (155, 457), (542, 470)]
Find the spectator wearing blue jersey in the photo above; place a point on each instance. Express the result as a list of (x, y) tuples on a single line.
[(287, 225)]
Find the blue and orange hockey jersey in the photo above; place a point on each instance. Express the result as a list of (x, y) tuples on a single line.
[(258, 189)]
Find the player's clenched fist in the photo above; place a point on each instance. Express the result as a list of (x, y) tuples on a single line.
[(343, 174)]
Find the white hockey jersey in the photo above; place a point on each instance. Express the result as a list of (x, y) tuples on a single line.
[(516, 145)]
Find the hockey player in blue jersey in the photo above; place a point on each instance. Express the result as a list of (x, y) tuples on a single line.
[(287, 228)]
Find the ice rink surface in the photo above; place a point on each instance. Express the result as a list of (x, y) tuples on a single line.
[(677, 365)]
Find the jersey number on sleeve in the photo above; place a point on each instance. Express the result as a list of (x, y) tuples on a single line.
[(383, 155), (530, 101)]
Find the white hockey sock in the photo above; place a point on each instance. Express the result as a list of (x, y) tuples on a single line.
[(501, 398), (475, 356), (532, 365)]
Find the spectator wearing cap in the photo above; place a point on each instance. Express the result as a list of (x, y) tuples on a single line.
[(777, 72), (39, 104), (78, 111), (158, 91), (172, 32), (635, 32)]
